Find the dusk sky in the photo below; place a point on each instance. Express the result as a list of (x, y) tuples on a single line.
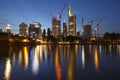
[(15, 12)]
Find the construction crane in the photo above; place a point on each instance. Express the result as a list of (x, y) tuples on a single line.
[(97, 26), (51, 13), (100, 18), (82, 22), (96, 29), (60, 13), (91, 21)]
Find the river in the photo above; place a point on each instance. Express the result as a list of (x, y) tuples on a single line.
[(60, 62)]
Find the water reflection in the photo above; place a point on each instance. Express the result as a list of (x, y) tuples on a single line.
[(72, 62), (60, 62), (65, 53), (44, 51), (100, 49), (35, 63), (7, 69), (20, 57), (118, 49), (57, 64), (25, 57), (83, 57), (14, 58), (112, 50), (86, 51), (96, 58)]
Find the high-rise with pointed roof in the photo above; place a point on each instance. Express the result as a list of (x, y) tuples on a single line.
[(71, 23)]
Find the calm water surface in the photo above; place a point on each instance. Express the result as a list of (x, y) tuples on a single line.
[(60, 62)]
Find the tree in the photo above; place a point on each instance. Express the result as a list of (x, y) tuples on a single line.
[(48, 32)]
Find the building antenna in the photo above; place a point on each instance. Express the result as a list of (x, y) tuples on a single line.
[(82, 22), (68, 3)]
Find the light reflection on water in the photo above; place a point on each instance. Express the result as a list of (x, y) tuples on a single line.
[(57, 65), (60, 62), (7, 69), (26, 62), (20, 57), (35, 62), (96, 58), (83, 57)]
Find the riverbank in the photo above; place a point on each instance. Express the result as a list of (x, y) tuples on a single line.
[(34, 43)]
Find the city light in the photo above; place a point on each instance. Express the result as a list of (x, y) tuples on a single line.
[(8, 26), (36, 45), (25, 40)]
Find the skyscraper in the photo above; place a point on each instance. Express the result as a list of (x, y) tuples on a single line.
[(23, 29), (35, 30), (87, 32), (31, 30), (55, 27), (71, 23)]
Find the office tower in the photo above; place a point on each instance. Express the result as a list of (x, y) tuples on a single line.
[(35, 30), (71, 23), (31, 30), (23, 29), (55, 27), (87, 32)]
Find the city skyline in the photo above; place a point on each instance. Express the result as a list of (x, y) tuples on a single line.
[(14, 12)]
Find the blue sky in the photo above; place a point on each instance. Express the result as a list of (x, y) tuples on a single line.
[(16, 11)]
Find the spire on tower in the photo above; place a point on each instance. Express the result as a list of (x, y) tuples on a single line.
[(69, 12)]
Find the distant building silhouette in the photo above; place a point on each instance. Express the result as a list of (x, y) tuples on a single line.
[(0, 30), (71, 23), (78, 34), (31, 30), (87, 32), (64, 29), (23, 29)]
